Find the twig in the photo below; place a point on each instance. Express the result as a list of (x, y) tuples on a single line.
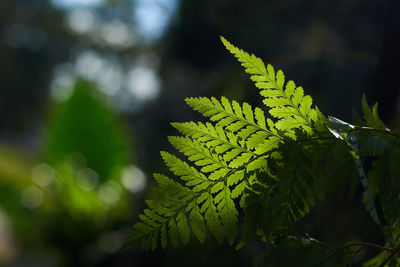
[(362, 244), (356, 252), (392, 252)]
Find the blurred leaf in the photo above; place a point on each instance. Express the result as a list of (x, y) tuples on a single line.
[(86, 129)]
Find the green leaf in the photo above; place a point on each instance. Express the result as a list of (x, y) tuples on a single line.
[(228, 215), (238, 190), (183, 227), (173, 232), (164, 237), (240, 160), (371, 115), (217, 187), (212, 218), (197, 224), (235, 178), (267, 145)]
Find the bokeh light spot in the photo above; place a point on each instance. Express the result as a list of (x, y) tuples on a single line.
[(116, 33), (81, 20), (87, 179), (63, 82), (89, 64), (32, 197), (42, 174), (143, 83), (110, 242), (153, 16), (76, 3), (110, 192), (133, 179)]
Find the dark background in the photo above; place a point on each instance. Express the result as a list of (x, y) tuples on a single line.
[(137, 60)]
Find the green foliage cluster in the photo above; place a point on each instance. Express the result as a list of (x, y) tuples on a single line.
[(86, 166), (80, 124), (273, 168)]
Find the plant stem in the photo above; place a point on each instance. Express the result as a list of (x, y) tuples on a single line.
[(392, 252), (379, 131)]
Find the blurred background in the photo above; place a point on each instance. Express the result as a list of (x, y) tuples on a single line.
[(88, 89)]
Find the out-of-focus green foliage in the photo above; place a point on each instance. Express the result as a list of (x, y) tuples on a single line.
[(83, 128), (86, 149), (75, 185)]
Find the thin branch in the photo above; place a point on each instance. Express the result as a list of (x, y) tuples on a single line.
[(379, 131), (392, 252), (356, 252), (362, 244)]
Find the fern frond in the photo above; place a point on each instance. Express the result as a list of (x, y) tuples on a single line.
[(230, 157), (273, 169), (288, 103), (295, 185), (371, 115), (250, 128), (383, 177), (233, 117), (286, 197), (228, 213), (197, 224), (350, 134), (226, 144), (188, 174), (178, 210), (162, 214), (202, 156)]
